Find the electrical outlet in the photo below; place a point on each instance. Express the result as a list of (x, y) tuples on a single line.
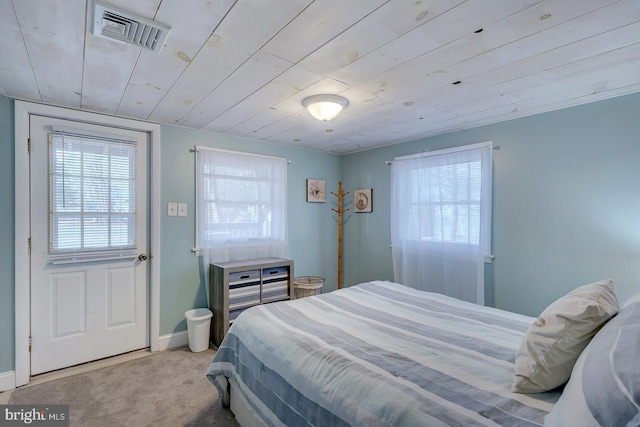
[(172, 209), (182, 209)]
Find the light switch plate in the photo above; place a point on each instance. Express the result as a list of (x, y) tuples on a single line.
[(172, 209), (182, 209)]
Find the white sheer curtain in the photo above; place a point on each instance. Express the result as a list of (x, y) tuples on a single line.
[(440, 220), (241, 207)]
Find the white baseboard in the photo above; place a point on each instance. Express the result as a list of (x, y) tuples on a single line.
[(177, 339), (165, 342), (7, 380)]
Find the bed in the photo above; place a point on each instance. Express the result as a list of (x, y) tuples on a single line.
[(375, 354)]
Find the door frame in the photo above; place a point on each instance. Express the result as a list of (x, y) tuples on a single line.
[(23, 111)]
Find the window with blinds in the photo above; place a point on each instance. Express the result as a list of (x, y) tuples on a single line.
[(92, 200), (241, 201), (441, 220), (443, 197), (445, 205)]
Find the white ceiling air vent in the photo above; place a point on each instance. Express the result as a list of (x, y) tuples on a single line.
[(126, 27)]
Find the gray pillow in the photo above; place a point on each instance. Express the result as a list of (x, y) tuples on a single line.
[(604, 389)]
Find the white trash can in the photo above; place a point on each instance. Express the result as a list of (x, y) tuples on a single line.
[(198, 325)]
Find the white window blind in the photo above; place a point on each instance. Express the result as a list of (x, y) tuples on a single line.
[(445, 202), (92, 200), (241, 205), (441, 218)]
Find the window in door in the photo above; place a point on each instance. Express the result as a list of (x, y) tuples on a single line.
[(92, 200)]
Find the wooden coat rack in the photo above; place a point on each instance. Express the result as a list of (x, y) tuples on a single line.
[(340, 211)]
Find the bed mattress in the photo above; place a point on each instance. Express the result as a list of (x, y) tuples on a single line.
[(378, 354)]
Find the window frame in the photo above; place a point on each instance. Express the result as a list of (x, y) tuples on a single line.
[(200, 246), (84, 253), (484, 205)]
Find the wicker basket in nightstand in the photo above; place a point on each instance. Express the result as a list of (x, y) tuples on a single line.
[(307, 286)]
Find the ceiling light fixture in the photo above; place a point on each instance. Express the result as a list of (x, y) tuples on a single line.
[(325, 107)]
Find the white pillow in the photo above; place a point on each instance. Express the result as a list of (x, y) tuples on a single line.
[(603, 389), (555, 340)]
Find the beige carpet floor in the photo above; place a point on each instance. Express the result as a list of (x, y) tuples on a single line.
[(168, 388)]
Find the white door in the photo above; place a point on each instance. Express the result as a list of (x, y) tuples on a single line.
[(89, 278)]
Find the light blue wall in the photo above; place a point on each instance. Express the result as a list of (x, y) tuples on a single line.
[(7, 242), (566, 205), (312, 237), (312, 229), (566, 209)]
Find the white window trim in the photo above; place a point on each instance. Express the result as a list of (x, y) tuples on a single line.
[(487, 144)]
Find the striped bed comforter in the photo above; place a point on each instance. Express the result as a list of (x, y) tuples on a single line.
[(378, 354)]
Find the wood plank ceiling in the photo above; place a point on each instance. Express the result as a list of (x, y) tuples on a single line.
[(409, 68)]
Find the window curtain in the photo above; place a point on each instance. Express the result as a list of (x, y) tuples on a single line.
[(440, 220), (241, 207)]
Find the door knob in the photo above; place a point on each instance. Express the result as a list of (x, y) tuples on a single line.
[(142, 257)]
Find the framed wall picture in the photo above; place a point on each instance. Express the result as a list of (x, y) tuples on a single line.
[(362, 200), (316, 191)]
